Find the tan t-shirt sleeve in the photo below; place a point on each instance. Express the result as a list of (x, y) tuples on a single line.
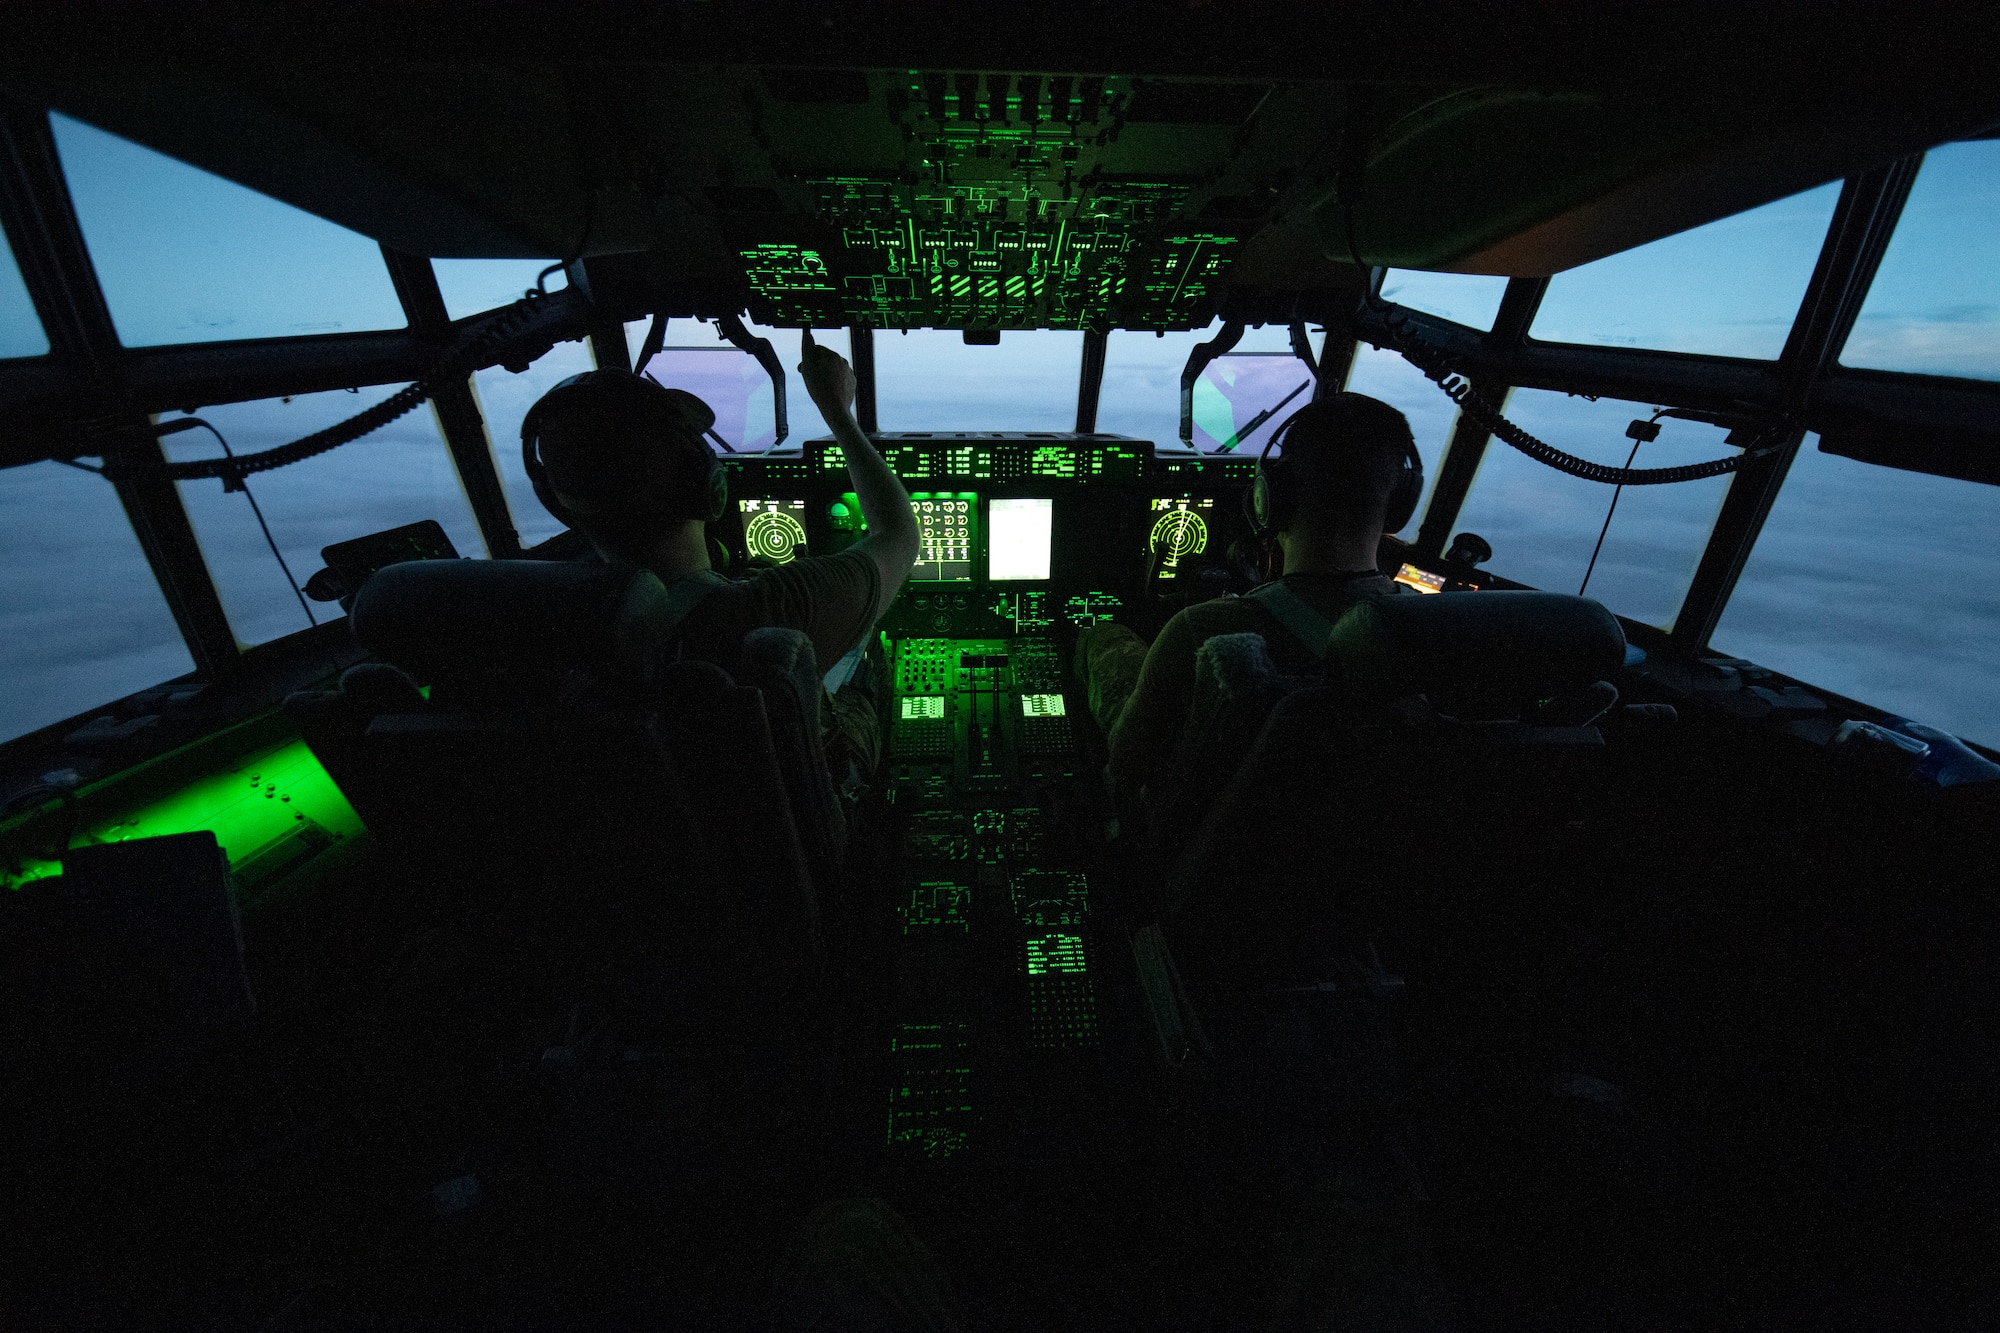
[(831, 598)]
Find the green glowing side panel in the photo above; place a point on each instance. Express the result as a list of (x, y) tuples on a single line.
[(270, 811), (930, 1104)]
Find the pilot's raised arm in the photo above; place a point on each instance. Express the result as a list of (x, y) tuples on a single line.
[(892, 540)]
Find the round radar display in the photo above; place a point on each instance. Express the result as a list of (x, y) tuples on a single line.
[(774, 535), (1179, 533)]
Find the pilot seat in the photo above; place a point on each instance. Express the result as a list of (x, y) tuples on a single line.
[(563, 764)]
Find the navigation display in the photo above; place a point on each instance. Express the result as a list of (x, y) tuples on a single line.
[(1180, 530), (1420, 579), (1018, 538), (774, 530), (945, 521)]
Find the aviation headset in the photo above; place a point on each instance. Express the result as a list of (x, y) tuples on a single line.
[(695, 485), (1273, 495)]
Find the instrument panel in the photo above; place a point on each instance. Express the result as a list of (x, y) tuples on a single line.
[(1020, 531)]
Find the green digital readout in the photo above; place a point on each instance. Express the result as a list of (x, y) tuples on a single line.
[(923, 705), (1055, 953), (1042, 705), (946, 522)]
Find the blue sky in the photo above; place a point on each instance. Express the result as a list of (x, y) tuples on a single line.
[(1868, 581)]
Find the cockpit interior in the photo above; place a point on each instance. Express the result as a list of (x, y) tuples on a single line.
[(397, 933)]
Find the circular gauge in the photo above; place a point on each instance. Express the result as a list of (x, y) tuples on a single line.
[(775, 536), (1179, 533)]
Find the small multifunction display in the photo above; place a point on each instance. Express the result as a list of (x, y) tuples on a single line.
[(945, 524), (1420, 579), (1018, 537), (774, 530), (1179, 531)]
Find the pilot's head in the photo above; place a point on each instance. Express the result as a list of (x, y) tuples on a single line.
[(1348, 464), (622, 459)]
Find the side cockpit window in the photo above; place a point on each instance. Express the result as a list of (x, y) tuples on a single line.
[(1934, 307), (1879, 584), (184, 256), (472, 286), (1544, 525), (1471, 299), (82, 621), (21, 332), (1730, 288), (399, 474)]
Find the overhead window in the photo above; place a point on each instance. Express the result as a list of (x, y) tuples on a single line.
[(1934, 307), (1471, 299), (399, 474), (1881, 585), (187, 257), (930, 379), (504, 400), (1142, 386), (1544, 524), (21, 332), (1730, 288), (471, 286), (1431, 415), (82, 619)]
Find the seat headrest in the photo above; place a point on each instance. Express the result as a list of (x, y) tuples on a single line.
[(447, 619), (1475, 655)]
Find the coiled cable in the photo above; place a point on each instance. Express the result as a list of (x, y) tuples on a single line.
[(1437, 366), (455, 364)]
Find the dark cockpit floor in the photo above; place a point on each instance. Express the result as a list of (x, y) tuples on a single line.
[(1732, 1084)]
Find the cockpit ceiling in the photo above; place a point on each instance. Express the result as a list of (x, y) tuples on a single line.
[(1042, 193)]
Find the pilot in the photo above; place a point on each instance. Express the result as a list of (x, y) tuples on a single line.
[(623, 460), (1346, 460)]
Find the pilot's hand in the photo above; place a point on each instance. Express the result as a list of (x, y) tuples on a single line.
[(829, 379)]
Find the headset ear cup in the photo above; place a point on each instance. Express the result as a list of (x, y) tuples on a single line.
[(1409, 491), (1257, 503), (718, 491), (538, 477)]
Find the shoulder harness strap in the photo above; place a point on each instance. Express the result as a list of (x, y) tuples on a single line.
[(1303, 623), (686, 593)]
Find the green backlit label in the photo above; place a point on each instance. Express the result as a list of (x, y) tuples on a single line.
[(1042, 705), (938, 905), (924, 705), (930, 1103), (1055, 953)]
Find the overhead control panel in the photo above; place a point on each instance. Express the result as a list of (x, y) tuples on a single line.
[(1011, 201)]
